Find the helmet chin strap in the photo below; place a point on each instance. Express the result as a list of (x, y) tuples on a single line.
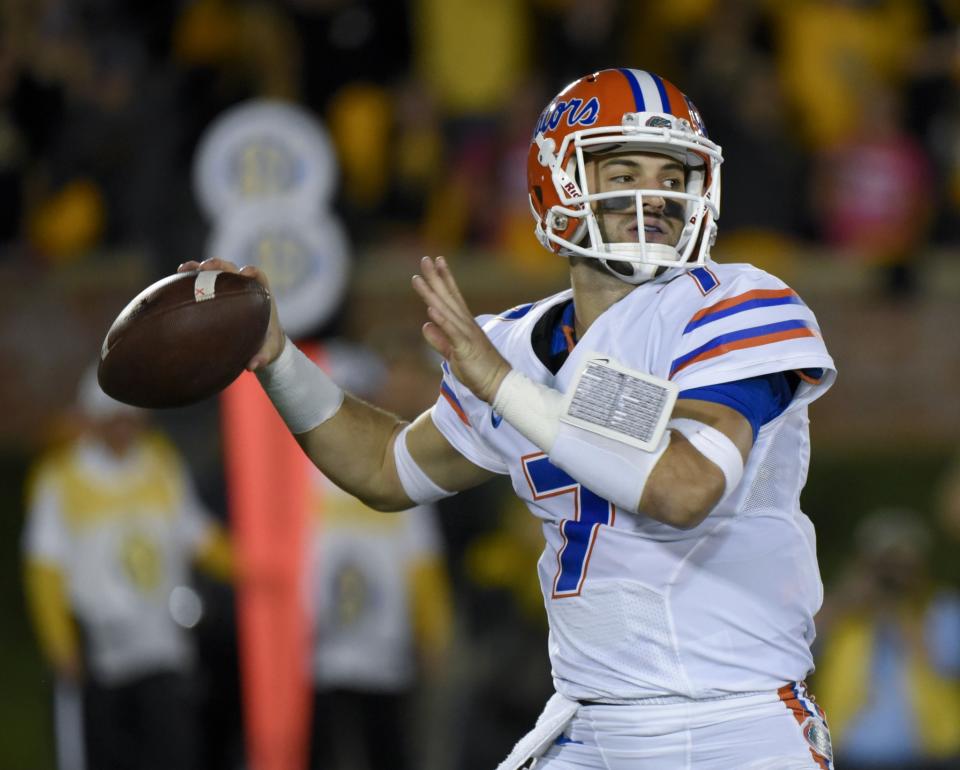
[(634, 272)]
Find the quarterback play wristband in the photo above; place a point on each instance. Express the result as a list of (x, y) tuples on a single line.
[(301, 392), (579, 430)]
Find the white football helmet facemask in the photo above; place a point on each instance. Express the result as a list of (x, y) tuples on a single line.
[(599, 115)]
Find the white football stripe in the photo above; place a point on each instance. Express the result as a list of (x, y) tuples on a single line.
[(205, 286)]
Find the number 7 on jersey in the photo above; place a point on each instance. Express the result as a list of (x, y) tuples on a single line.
[(580, 532)]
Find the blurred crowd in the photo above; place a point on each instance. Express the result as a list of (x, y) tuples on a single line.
[(840, 122), (839, 117)]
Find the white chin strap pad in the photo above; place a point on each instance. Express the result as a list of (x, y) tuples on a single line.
[(713, 445)]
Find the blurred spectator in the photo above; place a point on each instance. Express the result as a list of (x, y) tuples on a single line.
[(828, 51), (343, 41), (471, 54), (381, 601), (889, 660), (576, 36), (14, 146), (873, 194), (666, 37), (360, 117), (68, 223), (740, 86), (507, 633), (948, 513), (418, 152), (113, 525)]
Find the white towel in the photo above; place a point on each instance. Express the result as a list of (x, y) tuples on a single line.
[(556, 715)]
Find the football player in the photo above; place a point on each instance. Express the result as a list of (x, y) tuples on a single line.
[(653, 417)]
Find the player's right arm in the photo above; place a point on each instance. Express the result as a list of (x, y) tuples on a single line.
[(355, 449), (352, 442)]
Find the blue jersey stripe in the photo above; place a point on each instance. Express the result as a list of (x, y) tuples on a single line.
[(450, 394), (635, 87), (516, 313), (754, 331), (792, 299)]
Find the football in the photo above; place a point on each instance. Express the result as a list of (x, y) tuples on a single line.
[(183, 339)]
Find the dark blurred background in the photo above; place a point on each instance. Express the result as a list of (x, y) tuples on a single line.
[(840, 123)]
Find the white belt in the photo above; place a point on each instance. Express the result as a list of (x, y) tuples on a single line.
[(556, 715)]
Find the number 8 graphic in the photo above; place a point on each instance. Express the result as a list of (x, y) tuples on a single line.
[(579, 533)]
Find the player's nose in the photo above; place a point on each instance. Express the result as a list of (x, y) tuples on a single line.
[(654, 203)]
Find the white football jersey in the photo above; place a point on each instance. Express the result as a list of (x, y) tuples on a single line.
[(123, 532), (639, 609), (361, 592)]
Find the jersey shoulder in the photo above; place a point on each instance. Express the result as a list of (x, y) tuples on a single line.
[(705, 286), (511, 330), (521, 316), (729, 321)]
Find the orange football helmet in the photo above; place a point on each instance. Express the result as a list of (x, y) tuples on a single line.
[(621, 110)]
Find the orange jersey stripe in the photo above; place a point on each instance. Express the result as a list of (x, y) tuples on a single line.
[(740, 299), (456, 407), (752, 342)]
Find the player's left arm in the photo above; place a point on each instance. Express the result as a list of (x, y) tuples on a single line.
[(678, 484), (684, 485)]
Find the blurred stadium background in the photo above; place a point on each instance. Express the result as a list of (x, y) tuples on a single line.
[(840, 122)]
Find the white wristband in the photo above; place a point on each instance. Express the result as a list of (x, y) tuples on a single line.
[(418, 486), (715, 446), (302, 393), (533, 409)]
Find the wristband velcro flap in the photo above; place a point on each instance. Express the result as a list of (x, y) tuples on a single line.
[(620, 403)]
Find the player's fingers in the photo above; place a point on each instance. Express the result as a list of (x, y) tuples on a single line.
[(218, 264), (446, 275), (446, 324), (436, 283), (257, 361), (437, 339), (255, 273), (186, 267), (462, 346), (430, 296), (434, 293)]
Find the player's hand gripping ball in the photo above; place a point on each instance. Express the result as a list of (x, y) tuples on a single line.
[(184, 339)]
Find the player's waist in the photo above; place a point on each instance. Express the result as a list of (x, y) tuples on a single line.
[(670, 700), (669, 712)]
